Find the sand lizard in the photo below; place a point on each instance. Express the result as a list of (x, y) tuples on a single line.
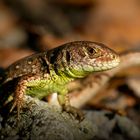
[(47, 72)]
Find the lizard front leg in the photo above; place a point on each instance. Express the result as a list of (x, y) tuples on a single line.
[(20, 90), (64, 101)]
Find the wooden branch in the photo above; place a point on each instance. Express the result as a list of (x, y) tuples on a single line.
[(82, 96)]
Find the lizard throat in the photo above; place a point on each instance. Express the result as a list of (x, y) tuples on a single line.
[(74, 73)]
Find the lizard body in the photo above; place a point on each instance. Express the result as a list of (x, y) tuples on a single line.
[(44, 73)]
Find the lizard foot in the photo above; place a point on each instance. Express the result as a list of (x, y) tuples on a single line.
[(18, 104), (78, 114)]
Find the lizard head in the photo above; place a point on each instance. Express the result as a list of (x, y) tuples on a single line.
[(79, 58)]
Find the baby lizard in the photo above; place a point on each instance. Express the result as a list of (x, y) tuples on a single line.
[(47, 72)]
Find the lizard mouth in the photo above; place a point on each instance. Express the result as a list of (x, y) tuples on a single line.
[(106, 65)]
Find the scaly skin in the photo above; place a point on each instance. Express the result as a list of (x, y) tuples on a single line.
[(44, 73)]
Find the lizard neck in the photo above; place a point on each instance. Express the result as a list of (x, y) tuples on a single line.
[(77, 73), (60, 77), (71, 73)]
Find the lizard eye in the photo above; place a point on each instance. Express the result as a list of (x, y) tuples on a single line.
[(90, 51)]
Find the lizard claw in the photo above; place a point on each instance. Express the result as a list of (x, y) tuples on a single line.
[(13, 106), (78, 114), (18, 104)]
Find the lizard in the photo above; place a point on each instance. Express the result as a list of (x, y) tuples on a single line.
[(44, 73)]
